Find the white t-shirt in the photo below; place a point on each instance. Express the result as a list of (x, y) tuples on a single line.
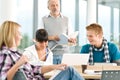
[(32, 55)]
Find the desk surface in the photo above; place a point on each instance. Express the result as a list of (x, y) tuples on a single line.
[(86, 76), (89, 76)]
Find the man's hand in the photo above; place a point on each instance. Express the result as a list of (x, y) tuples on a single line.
[(72, 40)]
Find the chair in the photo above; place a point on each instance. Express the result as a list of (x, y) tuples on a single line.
[(110, 75), (20, 75)]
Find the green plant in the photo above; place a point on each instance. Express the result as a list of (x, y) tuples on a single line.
[(25, 42)]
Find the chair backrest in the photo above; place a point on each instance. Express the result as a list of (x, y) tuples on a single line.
[(110, 75)]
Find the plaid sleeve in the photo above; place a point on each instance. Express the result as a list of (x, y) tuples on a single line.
[(37, 72), (33, 72), (5, 65), (36, 69)]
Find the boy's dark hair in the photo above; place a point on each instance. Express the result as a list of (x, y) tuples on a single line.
[(41, 35)]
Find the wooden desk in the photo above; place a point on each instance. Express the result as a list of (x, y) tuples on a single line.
[(91, 76), (79, 69), (86, 76), (111, 67)]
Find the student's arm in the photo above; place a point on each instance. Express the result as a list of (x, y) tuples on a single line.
[(53, 37), (49, 68), (11, 72)]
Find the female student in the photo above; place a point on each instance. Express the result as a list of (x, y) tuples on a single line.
[(12, 61)]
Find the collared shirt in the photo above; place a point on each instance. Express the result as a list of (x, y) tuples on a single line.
[(7, 60), (56, 17)]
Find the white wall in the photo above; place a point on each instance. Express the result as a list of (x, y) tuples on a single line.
[(8, 10)]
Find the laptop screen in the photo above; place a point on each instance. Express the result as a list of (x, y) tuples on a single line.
[(75, 59)]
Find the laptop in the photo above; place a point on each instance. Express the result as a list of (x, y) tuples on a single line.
[(75, 59), (72, 59)]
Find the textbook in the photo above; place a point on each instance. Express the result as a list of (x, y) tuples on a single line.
[(64, 38)]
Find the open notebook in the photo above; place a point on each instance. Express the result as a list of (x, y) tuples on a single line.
[(75, 59)]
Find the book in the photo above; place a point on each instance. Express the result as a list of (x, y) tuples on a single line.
[(52, 44), (74, 34), (63, 41), (64, 38)]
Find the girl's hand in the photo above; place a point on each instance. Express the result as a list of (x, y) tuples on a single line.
[(60, 66)]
